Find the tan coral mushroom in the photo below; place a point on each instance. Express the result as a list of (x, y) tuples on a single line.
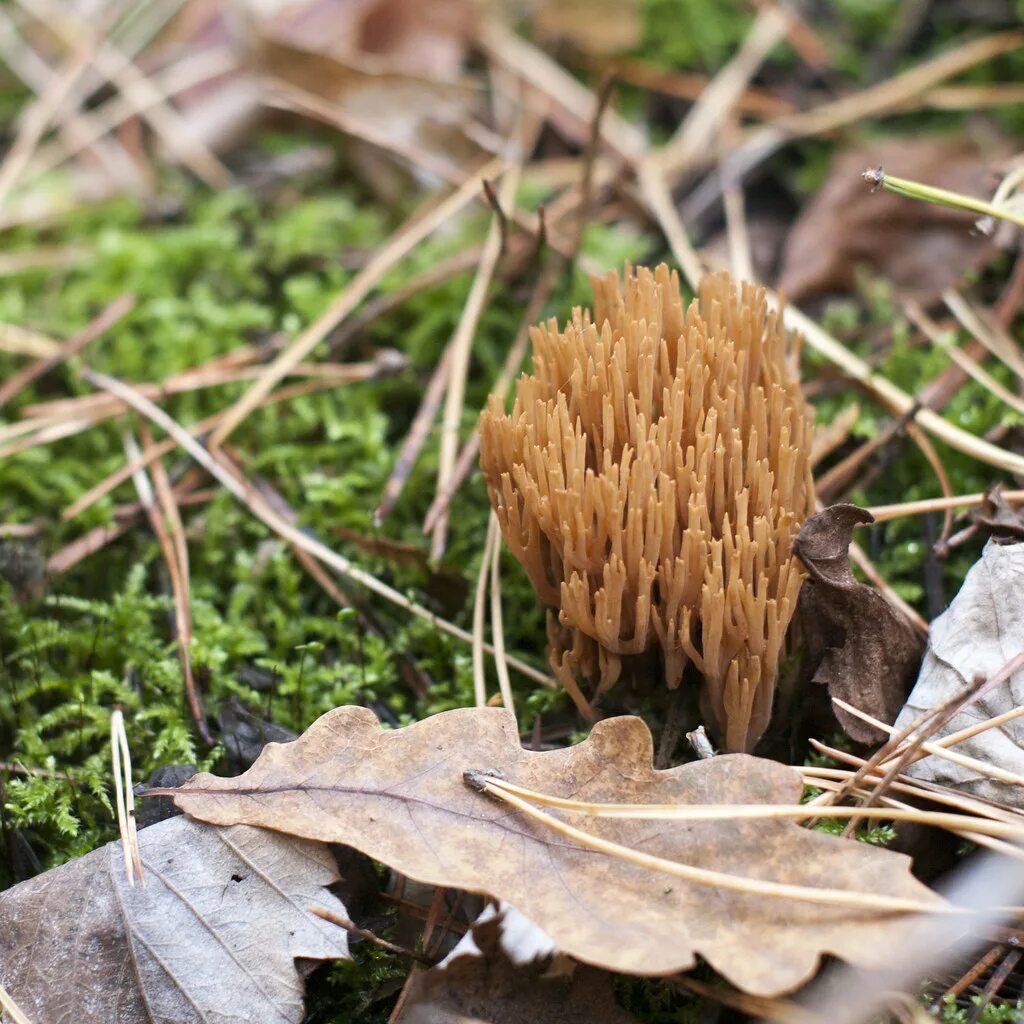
[(651, 478)]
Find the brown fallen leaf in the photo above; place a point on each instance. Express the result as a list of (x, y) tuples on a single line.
[(479, 983), (421, 119), (399, 796), (920, 248), (423, 37), (858, 644), (980, 632), (213, 935)]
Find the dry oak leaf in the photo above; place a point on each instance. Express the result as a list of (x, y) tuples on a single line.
[(859, 645), (212, 936), (977, 635), (480, 983), (400, 797), (421, 119)]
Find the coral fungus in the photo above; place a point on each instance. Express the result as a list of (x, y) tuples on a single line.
[(651, 478)]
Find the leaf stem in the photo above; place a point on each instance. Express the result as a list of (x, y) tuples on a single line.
[(877, 178)]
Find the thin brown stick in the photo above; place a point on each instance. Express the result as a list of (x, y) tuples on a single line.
[(284, 95), (996, 982), (96, 539), (20, 529), (23, 341), (54, 258), (479, 598), (498, 626), (1010, 669), (461, 349), (96, 327), (927, 449), (692, 139), (193, 69), (43, 773), (38, 117), (554, 82), (250, 498), (930, 792), (585, 208), (170, 548), (75, 128), (101, 407), (923, 725), (966, 980), (381, 305), (757, 812), (467, 457), (930, 329), (403, 241), (985, 329), (659, 199), (830, 483), (364, 933), (416, 436), (859, 557), (984, 768), (119, 476), (896, 93), (688, 85), (126, 77)]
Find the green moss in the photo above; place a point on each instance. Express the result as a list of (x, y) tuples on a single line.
[(236, 268)]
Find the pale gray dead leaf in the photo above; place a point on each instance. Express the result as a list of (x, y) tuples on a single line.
[(976, 636), (212, 937)]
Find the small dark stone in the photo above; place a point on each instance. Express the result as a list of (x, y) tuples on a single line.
[(159, 808), (245, 735), (23, 567)]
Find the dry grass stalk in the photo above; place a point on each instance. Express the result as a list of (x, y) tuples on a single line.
[(651, 479), (10, 1007), (744, 812), (98, 326), (461, 349), (250, 498), (422, 223), (719, 879), (165, 520), (125, 799)]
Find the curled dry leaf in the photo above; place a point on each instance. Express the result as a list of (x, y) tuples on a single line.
[(920, 248), (419, 118), (213, 934), (480, 983), (980, 632), (399, 796), (997, 517), (858, 644)]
